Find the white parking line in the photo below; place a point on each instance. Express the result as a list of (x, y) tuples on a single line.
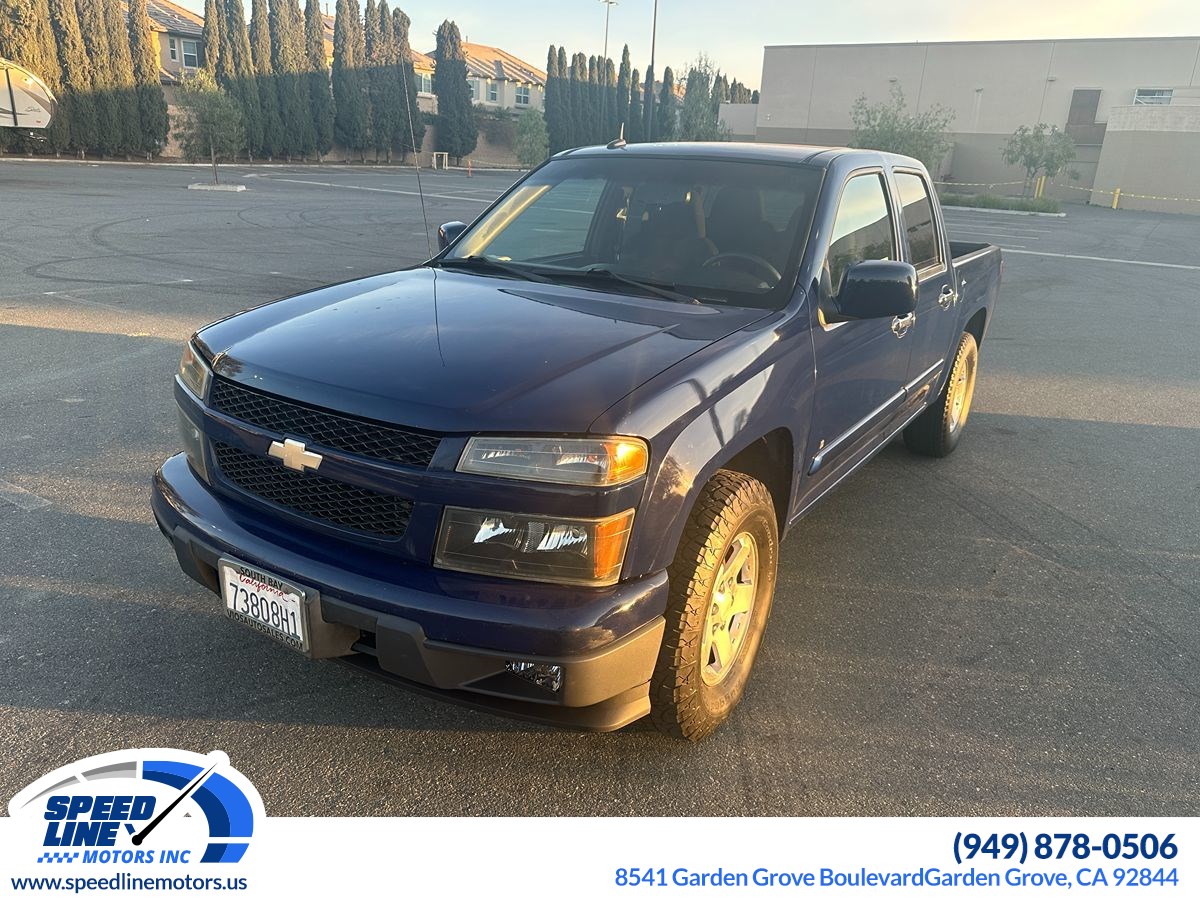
[(21, 498), (358, 187), (1109, 259), (997, 231)]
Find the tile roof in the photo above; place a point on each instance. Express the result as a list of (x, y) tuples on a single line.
[(492, 62), (166, 16)]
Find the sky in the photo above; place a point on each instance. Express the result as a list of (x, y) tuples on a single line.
[(732, 33)]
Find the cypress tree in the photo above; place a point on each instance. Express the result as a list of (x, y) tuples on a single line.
[(633, 132), (288, 63), (268, 92), (595, 117), (664, 130), (552, 108), (77, 103), (566, 102), (349, 101), (214, 12), (110, 136), (124, 81), (720, 93), (648, 132), (386, 84), (371, 38), (580, 108), (152, 105), (624, 79), (235, 71), (457, 132), (412, 124), (613, 120), (320, 97)]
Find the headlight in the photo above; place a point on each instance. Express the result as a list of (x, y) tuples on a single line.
[(595, 462), (194, 371), (536, 548)]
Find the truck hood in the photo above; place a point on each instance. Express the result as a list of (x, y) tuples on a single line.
[(459, 352)]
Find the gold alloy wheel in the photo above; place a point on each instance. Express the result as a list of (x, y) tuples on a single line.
[(732, 601), (963, 389)]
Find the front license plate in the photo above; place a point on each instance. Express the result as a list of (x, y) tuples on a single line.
[(265, 602)]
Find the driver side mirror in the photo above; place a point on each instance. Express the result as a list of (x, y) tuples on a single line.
[(448, 233), (875, 289)]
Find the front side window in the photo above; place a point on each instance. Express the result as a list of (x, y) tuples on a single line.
[(862, 229), (191, 54), (426, 86), (917, 214), (493, 92), (523, 95), (716, 230), (474, 83), (172, 48)]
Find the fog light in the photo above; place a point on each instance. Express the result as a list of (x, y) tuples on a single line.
[(544, 676), (193, 444)]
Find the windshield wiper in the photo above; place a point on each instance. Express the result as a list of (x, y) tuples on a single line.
[(666, 291), (483, 264)]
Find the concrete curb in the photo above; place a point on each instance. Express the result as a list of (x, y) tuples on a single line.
[(205, 186), (355, 167), (1006, 212)]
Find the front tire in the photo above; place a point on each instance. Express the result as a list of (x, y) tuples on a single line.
[(936, 431), (722, 583)]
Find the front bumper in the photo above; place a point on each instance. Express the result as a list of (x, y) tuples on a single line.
[(440, 633)]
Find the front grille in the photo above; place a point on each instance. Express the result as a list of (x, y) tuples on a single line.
[(387, 442), (316, 496)]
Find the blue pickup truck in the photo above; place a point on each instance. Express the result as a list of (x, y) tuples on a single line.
[(546, 472)]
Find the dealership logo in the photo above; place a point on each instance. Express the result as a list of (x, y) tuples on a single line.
[(141, 807)]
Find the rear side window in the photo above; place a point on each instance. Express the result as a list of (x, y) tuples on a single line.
[(918, 221), (862, 229)]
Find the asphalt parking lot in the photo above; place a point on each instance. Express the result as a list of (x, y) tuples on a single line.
[(1012, 630)]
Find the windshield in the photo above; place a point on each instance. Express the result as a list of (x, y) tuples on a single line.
[(717, 231)]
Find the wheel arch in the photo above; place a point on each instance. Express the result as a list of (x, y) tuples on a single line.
[(977, 325)]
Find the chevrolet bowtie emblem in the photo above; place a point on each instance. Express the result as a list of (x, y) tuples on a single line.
[(294, 455)]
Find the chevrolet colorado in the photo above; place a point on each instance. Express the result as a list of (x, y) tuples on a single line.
[(547, 471)]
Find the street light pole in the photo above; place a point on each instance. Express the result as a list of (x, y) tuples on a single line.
[(650, 98), (608, 5)]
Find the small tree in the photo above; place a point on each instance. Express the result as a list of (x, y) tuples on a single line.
[(889, 126), (1040, 150), (697, 116), (211, 122), (533, 141)]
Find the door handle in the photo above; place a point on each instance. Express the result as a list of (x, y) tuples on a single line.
[(901, 324), (948, 297)]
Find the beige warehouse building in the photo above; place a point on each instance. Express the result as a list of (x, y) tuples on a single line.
[(1131, 104)]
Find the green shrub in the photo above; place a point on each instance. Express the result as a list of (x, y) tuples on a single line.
[(991, 201)]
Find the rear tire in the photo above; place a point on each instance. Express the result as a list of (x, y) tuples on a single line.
[(936, 431), (722, 583)]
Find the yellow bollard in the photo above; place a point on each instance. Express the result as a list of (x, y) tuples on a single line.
[(1116, 197), (1041, 186)]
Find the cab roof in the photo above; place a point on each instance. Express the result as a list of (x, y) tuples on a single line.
[(743, 151)]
